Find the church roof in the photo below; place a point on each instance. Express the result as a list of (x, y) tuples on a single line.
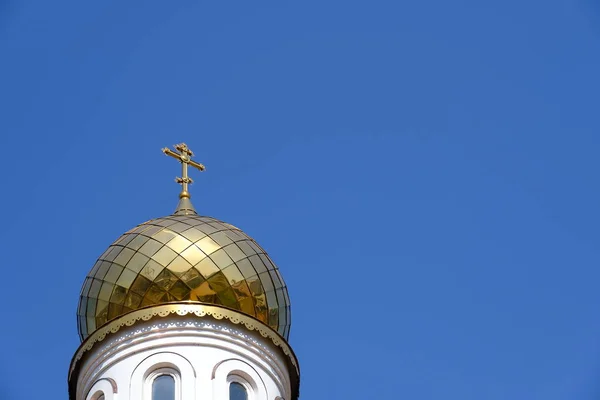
[(184, 257)]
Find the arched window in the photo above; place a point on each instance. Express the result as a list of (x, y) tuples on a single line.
[(103, 389), (178, 368), (163, 387), (237, 391)]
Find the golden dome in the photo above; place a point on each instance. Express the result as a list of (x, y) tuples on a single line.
[(184, 257)]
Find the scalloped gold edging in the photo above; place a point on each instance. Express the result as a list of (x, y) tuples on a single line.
[(182, 309)]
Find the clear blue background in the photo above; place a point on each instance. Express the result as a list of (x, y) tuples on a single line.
[(424, 173)]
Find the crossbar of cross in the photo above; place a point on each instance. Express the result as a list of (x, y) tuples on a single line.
[(184, 155)]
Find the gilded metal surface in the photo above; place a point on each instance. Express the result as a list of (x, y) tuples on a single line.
[(185, 158), (184, 309), (184, 257)]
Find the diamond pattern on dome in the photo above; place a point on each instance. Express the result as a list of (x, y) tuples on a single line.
[(184, 258)]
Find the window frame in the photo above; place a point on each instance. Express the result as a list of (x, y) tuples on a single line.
[(155, 373), (98, 395), (235, 369), (182, 367), (234, 377), (103, 388)]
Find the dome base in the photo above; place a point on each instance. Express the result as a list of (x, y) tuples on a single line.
[(192, 328)]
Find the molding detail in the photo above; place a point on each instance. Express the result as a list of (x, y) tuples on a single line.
[(113, 384), (183, 309)]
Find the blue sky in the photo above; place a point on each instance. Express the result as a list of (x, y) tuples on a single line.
[(425, 174)]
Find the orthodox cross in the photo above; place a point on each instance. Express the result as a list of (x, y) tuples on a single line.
[(184, 155)]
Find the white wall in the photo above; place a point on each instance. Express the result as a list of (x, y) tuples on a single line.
[(204, 354)]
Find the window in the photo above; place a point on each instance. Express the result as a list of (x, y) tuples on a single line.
[(163, 388), (103, 389), (237, 380), (162, 376), (237, 391)]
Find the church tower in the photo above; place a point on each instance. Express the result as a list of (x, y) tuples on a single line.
[(184, 307)]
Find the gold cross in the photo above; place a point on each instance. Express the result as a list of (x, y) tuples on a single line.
[(185, 158)]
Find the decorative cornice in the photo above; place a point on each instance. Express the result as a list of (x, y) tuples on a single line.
[(183, 309)]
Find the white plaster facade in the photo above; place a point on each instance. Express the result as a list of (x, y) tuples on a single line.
[(203, 354)]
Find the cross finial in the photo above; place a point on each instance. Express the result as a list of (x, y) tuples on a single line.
[(184, 155)]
